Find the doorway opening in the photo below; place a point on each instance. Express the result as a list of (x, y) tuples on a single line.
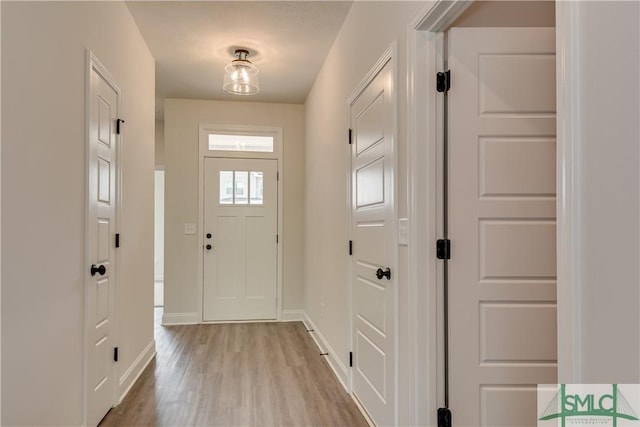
[(430, 53), (240, 223), (158, 270)]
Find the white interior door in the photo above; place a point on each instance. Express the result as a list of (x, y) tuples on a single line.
[(502, 207), (374, 296), (101, 229), (240, 239)]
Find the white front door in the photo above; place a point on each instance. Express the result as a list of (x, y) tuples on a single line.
[(240, 239), (374, 294), (101, 228), (502, 226)]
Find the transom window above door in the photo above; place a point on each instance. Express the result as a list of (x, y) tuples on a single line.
[(243, 143), (241, 188)]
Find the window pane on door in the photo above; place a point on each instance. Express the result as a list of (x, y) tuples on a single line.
[(242, 188), (256, 188), (226, 187)]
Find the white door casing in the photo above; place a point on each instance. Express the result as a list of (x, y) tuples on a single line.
[(502, 207), (240, 239), (374, 298), (103, 99)]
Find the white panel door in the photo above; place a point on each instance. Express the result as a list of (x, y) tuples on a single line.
[(502, 226), (102, 175), (374, 295), (240, 239)]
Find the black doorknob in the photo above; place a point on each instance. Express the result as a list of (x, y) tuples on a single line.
[(98, 269), (208, 235), (386, 273), (208, 247)]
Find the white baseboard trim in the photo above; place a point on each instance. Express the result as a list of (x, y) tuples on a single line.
[(180, 319), (341, 372), (129, 378), (292, 316), (363, 411)]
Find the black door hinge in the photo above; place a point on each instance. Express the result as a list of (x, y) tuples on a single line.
[(115, 354), (118, 125), (117, 240), (350, 247), (278, 176), (444, 417), (350, 359), (277, 238), (350, 136), (443, 249), (443, 81)]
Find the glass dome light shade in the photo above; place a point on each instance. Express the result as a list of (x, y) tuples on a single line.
[(241, 78)]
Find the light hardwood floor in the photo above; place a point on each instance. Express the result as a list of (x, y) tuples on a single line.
[(249, 374)]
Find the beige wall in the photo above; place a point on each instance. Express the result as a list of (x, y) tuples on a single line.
[(509, 14), (369, 29), (43, 209), (182, 118)]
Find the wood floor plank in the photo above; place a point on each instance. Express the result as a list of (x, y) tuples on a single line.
[(246, 374)]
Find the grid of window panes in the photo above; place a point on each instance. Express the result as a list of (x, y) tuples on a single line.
[(241, 188)]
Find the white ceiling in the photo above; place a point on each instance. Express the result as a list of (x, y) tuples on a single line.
[(192, 41)]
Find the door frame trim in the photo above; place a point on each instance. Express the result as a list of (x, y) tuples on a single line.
[(389, 56), (92, 63), (277, 154), (425, 175), (424, 145), (568, 195)]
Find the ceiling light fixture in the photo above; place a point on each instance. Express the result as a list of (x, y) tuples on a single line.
[(241, 76)]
